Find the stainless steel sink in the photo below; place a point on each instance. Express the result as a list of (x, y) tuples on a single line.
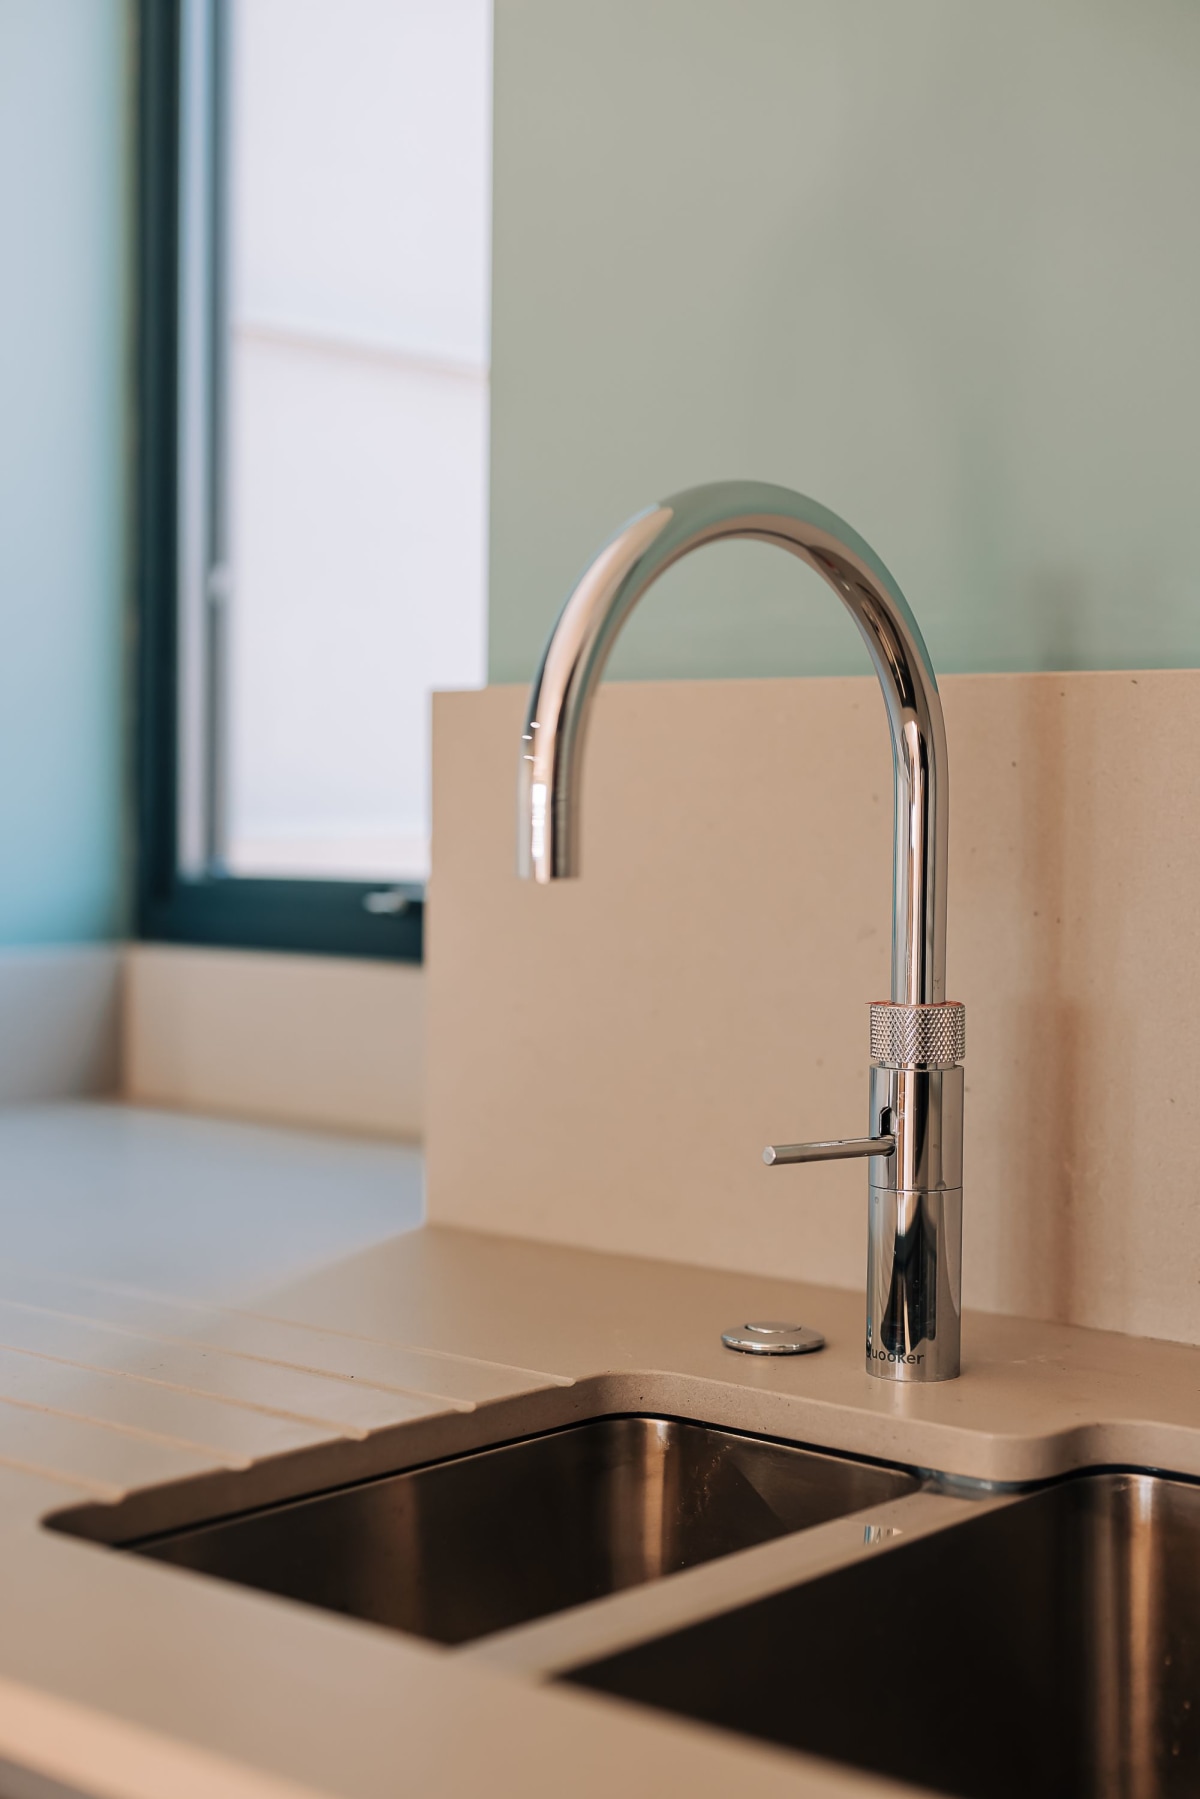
[(1049, 1649), (462, 1548)]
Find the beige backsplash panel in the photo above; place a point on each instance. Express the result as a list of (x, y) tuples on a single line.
[(609, 1056)]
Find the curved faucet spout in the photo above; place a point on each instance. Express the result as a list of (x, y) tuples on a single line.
[(590, 622)]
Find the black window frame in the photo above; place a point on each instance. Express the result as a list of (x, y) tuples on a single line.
[(378, 920)]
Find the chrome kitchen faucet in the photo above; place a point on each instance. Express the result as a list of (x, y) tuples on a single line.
[(914, 1145)]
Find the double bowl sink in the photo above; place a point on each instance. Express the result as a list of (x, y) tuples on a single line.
[(1040, 1644)]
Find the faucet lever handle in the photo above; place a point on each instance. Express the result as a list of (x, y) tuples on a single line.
[(841, 1149)]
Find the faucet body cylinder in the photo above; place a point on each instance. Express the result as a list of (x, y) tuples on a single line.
[(914, 1236), (914, 1256)]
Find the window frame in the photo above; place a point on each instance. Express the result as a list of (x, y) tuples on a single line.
[(377, 919)]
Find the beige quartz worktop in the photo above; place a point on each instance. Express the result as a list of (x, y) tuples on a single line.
[(122, 1372)]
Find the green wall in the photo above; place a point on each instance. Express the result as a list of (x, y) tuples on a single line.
[(933, 261), (64, 98)]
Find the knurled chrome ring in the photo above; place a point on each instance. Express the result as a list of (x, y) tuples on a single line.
[(918, 1036)]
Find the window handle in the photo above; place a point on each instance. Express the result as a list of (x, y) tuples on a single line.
[(387, 902)]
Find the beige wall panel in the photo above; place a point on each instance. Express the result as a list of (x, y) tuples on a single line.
[(311, 1040), (608, 1057)]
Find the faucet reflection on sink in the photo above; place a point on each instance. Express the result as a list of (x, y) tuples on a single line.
[(918, 1038)]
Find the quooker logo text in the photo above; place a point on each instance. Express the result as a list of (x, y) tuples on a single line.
[(891, 1355)]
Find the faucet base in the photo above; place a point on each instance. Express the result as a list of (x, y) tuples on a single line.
[(914, 1265)]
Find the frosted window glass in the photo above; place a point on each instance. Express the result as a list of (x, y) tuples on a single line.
[(360, 208)]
